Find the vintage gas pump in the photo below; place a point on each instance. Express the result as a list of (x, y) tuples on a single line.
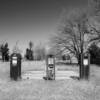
[(50, 67), (86, 65), (15, 66)]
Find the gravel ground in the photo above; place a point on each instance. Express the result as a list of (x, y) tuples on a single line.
[(48, 90)]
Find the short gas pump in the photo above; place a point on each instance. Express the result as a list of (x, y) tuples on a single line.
[(50, 67)]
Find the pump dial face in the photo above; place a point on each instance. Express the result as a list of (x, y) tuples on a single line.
[(85, 62), (50, 61)]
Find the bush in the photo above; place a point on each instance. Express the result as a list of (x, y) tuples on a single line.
[(94, 51), (5, 52)]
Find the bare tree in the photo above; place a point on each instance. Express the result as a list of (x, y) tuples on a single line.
[(16, 48), (31, 45), (94, 7), (94, 23), (40, 52), (29, 52), (70, 36)]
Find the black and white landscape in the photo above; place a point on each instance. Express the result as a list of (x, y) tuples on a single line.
[(49, 50)]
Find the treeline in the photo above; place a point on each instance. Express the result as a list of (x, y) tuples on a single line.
[(38, 53), (32, 53), (4, 50)]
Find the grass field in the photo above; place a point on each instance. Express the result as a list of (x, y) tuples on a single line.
[(49, 90)]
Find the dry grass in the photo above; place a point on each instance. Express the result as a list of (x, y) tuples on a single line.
[(49, 90)]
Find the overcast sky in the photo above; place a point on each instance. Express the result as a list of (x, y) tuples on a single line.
[(36, 20)]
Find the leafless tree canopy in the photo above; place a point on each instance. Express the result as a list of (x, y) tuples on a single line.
[(76, 31)]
